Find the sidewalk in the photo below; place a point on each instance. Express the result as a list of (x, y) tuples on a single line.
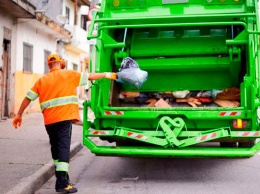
[(25, 162)]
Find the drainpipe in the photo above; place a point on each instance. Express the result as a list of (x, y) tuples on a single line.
[(75, 11)]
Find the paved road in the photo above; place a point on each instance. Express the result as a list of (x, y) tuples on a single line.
[(25, 150), (115, 175)]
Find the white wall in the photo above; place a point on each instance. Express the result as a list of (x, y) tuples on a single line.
[(79, 36), (72, 58), (52, 8), (70, 5), (40, 42), (8, 22)]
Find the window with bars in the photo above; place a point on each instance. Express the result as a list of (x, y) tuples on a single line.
[(27, 57), (46, 54)]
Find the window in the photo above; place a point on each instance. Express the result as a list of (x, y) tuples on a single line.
[(27, 57), (83, 22), (46, 68), (68, 15), (75, 67)]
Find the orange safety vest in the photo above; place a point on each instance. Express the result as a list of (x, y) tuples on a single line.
[(57, 94)]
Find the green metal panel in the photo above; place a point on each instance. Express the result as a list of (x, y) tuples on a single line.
[(183, 45)]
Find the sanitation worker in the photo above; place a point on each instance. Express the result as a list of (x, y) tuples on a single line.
[(59, 104)]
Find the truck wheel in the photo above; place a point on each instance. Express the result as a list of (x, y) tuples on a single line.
[(228, 144), (246, 144)]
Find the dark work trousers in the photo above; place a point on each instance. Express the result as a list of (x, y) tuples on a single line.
[(60, 139)]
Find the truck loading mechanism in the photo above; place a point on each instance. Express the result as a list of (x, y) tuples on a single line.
[(169, 141)]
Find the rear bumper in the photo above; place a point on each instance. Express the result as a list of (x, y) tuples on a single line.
[(187, 152)]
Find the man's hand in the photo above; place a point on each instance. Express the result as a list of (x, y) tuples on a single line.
[(17, 122), (110, 75)]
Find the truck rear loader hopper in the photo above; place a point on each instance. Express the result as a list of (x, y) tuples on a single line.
[(214, 49)]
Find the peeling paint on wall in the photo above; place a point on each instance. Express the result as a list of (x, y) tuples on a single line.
[(1, 92)]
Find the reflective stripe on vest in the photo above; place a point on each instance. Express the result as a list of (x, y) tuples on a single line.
[(59, 102), (32, 95), (83, 79), (62, 166), (56, 162)]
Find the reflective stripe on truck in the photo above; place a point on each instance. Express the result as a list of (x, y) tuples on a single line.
[(230, 113), (114, 113)]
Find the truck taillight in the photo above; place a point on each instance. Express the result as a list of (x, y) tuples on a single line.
[(239, 123)]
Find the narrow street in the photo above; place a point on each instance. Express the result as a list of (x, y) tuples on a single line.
[(115, 175), (160, 78)]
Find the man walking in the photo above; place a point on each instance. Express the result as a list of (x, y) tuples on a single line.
[(59, 104)]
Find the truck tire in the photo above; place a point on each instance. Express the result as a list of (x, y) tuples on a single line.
[(246, 144), (228, 144)]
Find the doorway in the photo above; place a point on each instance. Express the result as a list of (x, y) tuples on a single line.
[(5, 81)]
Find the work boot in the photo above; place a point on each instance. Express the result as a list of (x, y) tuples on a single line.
[(68, 189)]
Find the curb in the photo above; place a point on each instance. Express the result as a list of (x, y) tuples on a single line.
[(32, 183)]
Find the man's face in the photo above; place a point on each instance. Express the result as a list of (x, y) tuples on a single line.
[(54, 64)]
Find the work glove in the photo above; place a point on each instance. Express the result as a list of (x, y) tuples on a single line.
[(110, 75), (17, 122)]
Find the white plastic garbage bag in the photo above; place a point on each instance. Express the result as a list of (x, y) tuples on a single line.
[(131, 74), (128, 63)]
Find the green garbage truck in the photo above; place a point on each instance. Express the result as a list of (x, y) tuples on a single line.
[(201, 96)]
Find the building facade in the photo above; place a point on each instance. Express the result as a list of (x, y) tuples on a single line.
[(29, 31)]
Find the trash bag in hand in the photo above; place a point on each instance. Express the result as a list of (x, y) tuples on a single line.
[(131, 74), (128, 63)]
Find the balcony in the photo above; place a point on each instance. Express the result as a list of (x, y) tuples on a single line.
[(78, 42)]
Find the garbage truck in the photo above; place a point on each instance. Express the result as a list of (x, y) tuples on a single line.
[(201, 96)]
